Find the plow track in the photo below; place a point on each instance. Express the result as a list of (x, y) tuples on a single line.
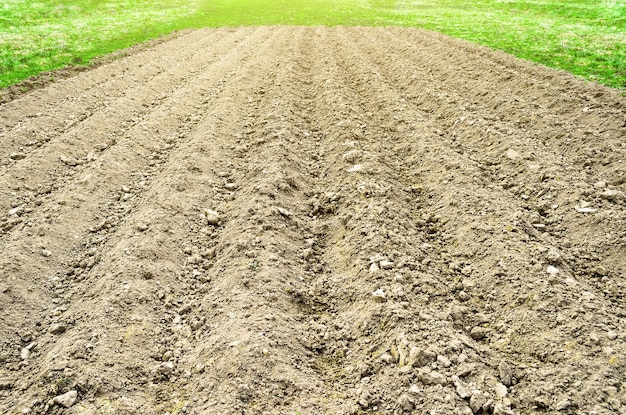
[(298, 220)]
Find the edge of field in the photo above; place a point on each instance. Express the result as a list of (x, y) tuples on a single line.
[(585, 39), (47, 77)]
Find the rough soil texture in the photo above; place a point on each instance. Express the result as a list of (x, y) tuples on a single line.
[(299, 220)]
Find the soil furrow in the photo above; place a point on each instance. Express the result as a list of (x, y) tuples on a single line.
[(469, 194), (517, 74), (47, 109), (258, 267), (63, 161), (286, 220), (380, 239), (551, 206), (49, 222), (84, 142), (553, 121), (139, 247)]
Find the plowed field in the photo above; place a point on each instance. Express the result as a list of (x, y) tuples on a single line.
[(295, 220)]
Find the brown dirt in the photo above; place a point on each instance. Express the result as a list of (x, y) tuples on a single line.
[(313, 221)]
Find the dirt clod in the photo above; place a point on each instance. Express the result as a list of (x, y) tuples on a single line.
[(67, 399)]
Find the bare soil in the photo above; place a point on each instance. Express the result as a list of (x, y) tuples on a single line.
[(296, 220)]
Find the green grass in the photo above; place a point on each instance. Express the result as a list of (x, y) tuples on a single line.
[(36, 36), (584, 37)]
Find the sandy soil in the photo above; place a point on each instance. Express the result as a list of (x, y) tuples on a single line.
[(313, 221)]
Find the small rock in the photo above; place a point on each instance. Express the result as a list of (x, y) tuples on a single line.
[(16, 211), (421, 358), (506, 374), (443, 361), (462, 296), (379, 295), (25, 352), (477, 401), (541, 402), (125, 189), (552, 270), (17, 156), (600, 185), (512, 154), (600, 270), (585, 209), (501, 409), (611, 335), (386, 264), (284, 212), (553, 256), (478, 333), (431, 377), (415, 390), (614, 196), (395, 353), (67, 399), (501, 390), (465, 369), (57, 328), (377, 258), (355, 168), (166, 368), (213, 217), (196, 325), (374, 267), (405, 402), (195, 259), (480, 318), (186, 308), (563, 405), (386, 358), (461, 390), (364, 400), (468, 284), (68, 161)]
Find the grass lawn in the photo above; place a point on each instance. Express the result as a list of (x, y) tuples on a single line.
[(39, 35), (584, 37)]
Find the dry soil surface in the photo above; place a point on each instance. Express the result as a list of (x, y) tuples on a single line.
[(296, 220)]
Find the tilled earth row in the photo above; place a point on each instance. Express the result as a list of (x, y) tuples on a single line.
[(290, 220)]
